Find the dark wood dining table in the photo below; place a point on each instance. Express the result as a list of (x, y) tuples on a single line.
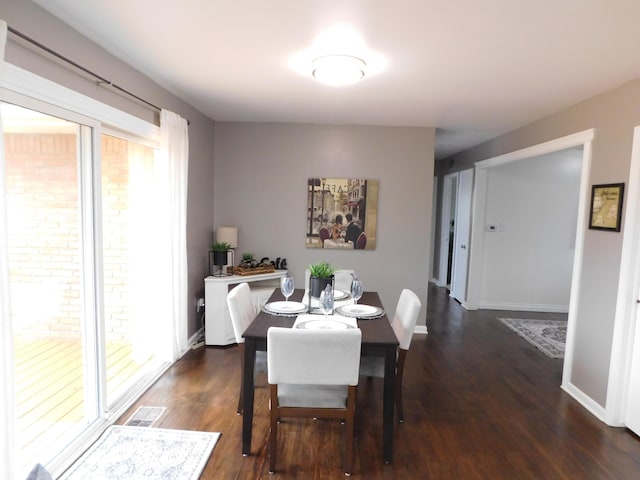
[(378, 339)]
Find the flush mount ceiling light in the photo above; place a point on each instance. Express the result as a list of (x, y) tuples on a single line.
[(338, 69)]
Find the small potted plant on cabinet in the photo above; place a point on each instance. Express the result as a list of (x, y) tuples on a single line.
[(219, 253)]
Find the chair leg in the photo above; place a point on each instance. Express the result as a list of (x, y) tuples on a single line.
[(273, 427), (241, 395), (350, 433), (402, 354)]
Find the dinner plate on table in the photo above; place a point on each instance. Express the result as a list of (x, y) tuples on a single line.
[(340, 295), (290, 307), (323, 325), (317, 322), (360, 310)]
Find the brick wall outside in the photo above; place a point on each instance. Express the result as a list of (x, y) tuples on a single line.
[(44, 235)]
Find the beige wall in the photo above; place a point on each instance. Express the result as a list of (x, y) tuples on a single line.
[(613, 115), (31, 20), (261, 173)]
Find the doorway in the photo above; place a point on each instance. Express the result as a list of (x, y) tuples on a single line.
[(460, 236), (447, 229)]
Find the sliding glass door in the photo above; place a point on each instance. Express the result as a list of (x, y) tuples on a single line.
[(127, 232), (48, 295), (77, 318)]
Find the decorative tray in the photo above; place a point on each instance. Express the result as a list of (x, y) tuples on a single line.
[(251, 271)]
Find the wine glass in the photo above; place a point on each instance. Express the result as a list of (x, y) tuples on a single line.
[(286, 286), (356, 290), (326, 301)]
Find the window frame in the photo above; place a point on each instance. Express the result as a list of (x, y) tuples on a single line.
[(32, 91)]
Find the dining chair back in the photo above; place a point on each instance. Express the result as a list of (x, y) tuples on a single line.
[(242, 313), (313, 374), (403, 325), (241, 309), (405, 318), (343, 279)]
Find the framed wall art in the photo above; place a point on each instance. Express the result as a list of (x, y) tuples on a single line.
[(606, 207), (341, 213)]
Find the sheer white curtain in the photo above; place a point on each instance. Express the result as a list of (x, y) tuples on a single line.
[(174, 143), (6, 355), (157, 229)]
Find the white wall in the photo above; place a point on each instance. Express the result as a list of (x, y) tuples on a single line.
[(260, 184), (528, 259)]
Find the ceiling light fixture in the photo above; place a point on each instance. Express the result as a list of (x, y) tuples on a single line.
[(338, 70)]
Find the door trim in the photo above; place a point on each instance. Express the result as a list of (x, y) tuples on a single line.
[(624, 329), (584, 139)]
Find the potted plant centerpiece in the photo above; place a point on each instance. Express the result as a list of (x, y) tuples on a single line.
[(219, 251), (320, 275)]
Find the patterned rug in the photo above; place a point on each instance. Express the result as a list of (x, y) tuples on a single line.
[(549, 336), (140, 453)]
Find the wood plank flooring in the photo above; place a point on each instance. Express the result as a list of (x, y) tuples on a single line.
[(480, 403), (50, 393)]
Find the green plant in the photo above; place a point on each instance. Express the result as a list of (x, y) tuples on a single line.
[(247, 257), (220, 246), (321, 270)]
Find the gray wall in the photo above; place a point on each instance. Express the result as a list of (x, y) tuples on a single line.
[(528, 259), (261, 172), (31, 20), (614, 115)]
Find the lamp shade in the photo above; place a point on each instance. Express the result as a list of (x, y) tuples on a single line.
[(228, 235)]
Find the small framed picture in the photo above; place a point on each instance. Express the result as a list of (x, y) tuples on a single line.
[(606, 207)]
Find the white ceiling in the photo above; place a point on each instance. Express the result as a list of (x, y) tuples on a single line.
[(471, 68)]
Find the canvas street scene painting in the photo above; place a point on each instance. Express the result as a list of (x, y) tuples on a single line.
[(341, 213)]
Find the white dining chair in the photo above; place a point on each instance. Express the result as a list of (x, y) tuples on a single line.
[(403, 324), (242, 313), (313, 374), (343, 279)]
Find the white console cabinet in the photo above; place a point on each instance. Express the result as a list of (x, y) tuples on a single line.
[(218, 329)]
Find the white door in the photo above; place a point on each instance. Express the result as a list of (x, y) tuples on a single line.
[(462, 236), (632, 420)]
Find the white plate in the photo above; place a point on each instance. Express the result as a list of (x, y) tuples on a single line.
[(340, 295), (359, 310), (323, 325), (286, 307)]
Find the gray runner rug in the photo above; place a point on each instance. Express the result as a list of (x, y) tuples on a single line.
[(548, 336)]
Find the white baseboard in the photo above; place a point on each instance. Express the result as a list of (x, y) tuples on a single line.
[(525, 307), (586, 401), (421, 330), (438, 283)]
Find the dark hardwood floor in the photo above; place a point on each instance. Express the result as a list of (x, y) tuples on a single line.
[(480, 403)]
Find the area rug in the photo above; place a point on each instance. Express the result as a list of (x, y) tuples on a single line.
[(548, 336), (140, 453)]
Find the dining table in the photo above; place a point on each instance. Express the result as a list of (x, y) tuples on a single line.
[(378, 339)]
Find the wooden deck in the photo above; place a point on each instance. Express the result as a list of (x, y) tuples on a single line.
[(50, 393)]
